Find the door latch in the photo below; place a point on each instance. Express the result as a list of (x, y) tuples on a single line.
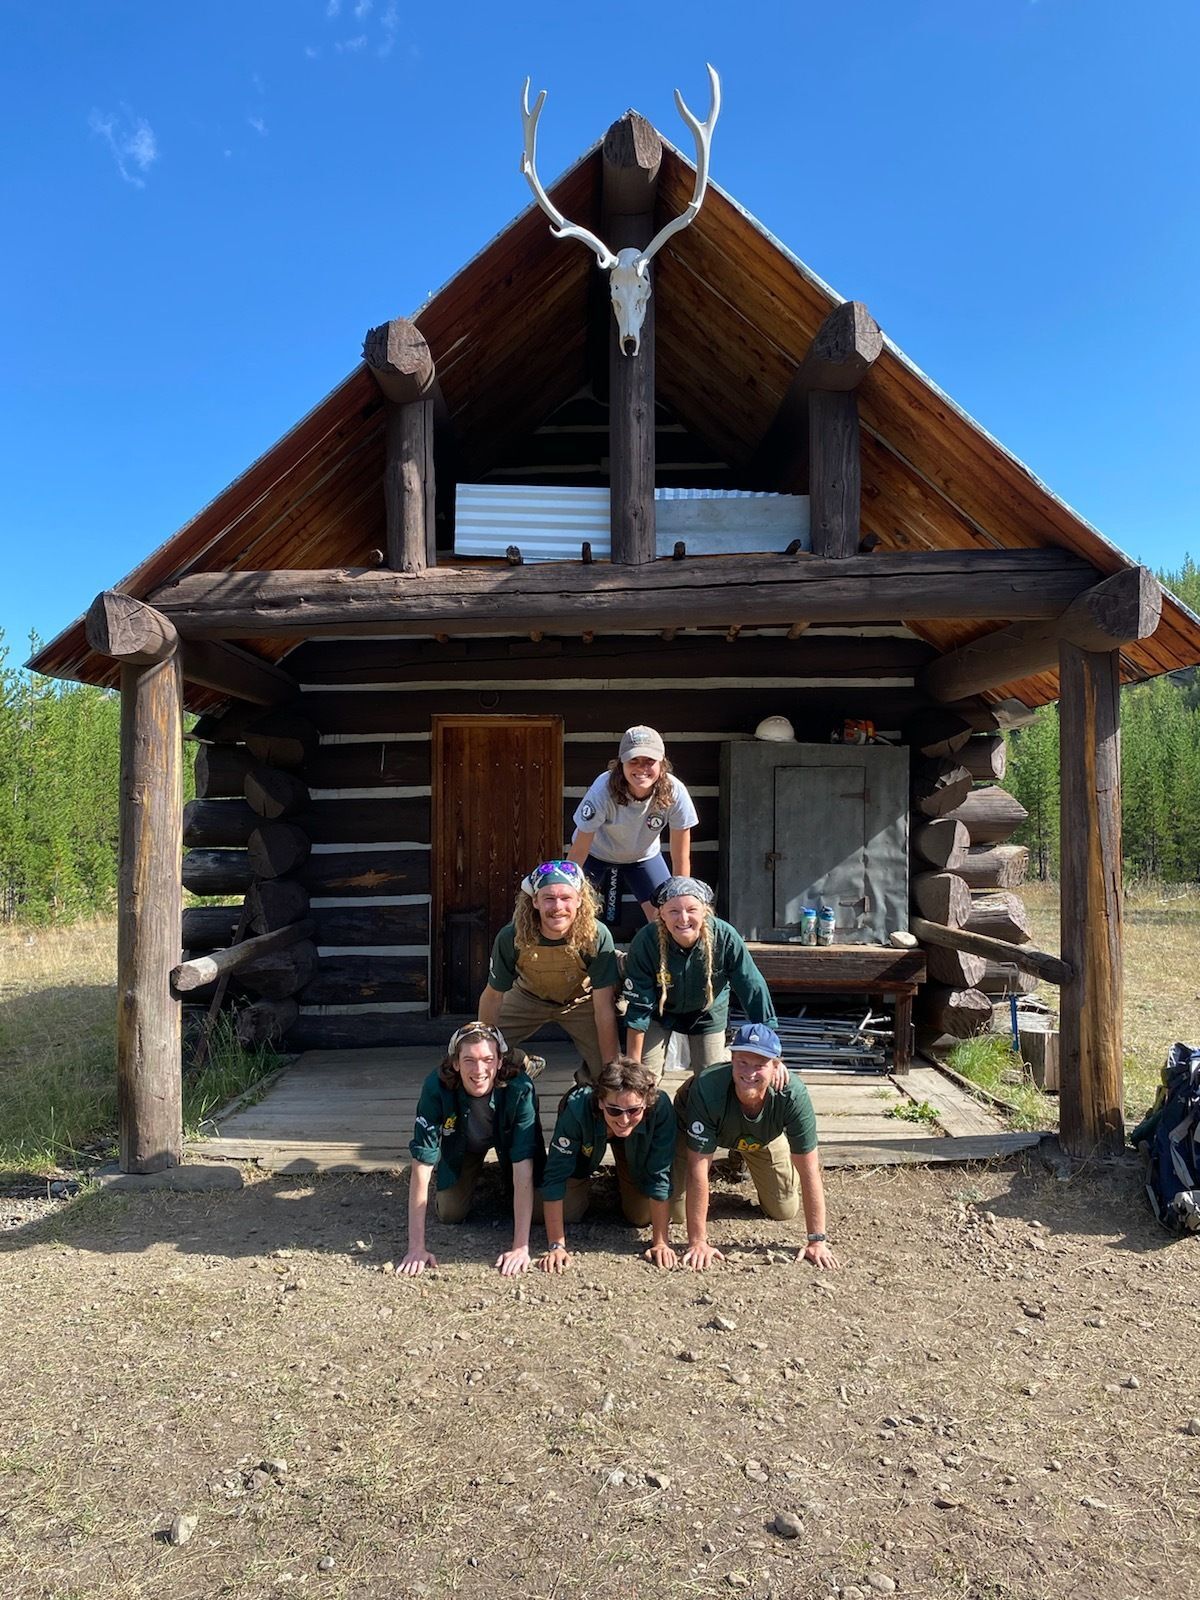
[(771, 857)]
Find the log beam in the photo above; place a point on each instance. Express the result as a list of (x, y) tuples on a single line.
[(150, 905), (1091, 1088), (632, 156), (128, 630), (207, 969), (1115, 613), (755, 590), (1023, 956), (237, 673), (400, 361)]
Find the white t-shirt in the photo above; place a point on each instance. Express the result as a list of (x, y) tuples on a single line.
[(630, 832)]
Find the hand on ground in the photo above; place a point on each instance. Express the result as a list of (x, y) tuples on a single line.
[(554, 1261), (661, 1255), (701, 1256), (511, 1262), (416, 1261), (820, 1255)]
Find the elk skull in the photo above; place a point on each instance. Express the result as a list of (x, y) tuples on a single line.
[(628, 269)]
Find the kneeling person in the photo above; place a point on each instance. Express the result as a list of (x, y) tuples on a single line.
[(626, 1109), (734, 1106), (479, 1099)]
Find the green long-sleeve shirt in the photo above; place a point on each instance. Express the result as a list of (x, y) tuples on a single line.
[(440, 1133), (733, 969), (580, 1139)]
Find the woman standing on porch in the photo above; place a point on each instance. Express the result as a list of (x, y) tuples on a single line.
[(679, 974), (620, 822), (554, 962), (477, 1100)]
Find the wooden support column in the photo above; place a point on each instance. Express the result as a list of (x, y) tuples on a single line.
[(631, 161), (402, 366), (1091, 1094), (813, 443), (150, 901)]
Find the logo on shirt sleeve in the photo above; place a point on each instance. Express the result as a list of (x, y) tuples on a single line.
[(628, 985), (563, 1143), (698, 1129), (587, 811), (450, 1124)]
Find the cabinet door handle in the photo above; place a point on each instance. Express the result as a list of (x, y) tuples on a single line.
[(771, 857)]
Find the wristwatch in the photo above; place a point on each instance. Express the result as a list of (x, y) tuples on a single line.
[(816, 1238), (559, 1244)]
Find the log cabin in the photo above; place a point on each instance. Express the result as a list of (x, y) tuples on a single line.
[(413, 631)]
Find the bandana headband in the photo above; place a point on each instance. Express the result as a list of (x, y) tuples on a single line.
[(551, 872), (476, 1030), (674, 887)]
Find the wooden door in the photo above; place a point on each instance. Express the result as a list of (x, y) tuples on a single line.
[(820, 844), (497, 812)]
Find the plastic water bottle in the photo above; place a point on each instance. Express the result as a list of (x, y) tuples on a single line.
[(825, 925), (808, 925)]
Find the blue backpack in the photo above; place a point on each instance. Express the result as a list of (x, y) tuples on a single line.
[(1169, 1137)]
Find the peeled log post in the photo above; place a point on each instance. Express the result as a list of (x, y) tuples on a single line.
[(275, 902), (995, 866), (220, 771), (281, 974), (991, 814), (400, 360), (264, 1023), (942, 897), (940, 841), (277, 848), (997, 916), (1039, 962), (207, 969), (957, 969), (209, 927), (985, 758), (212, 872), (282, 740), (218, 824), (150, 905), (961, 1012), (272, 793), (939, 786), (1090, 1057), (1004, 978)]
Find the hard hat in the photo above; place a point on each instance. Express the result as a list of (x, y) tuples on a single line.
[(777, 728)]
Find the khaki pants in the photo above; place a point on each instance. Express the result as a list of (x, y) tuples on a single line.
[(454, 1204), (521, 1015), (776, 1181), (704, 1049), (635, 1206)]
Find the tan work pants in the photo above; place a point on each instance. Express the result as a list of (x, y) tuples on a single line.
[(635, 1206), (704, 1049), (522, 1014), (454, 1204), (774, 1175)]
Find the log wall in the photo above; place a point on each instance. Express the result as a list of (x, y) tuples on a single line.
[(369, 779)]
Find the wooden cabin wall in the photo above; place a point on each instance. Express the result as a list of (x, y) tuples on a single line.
[(369, 818)]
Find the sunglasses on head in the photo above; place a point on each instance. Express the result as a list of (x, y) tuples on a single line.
[(567, 869), (476, 1030)]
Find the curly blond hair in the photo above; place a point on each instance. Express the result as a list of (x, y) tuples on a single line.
[(584, 932), (661, 797), (664, 949)]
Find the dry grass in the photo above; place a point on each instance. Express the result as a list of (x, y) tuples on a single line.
[(1162, 975)]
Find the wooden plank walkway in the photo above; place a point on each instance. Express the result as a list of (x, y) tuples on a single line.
[(338, 1110)]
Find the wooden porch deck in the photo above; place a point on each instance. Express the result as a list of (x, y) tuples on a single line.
[(353, 1110)]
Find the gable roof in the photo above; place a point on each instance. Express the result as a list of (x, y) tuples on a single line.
[(735, 312)]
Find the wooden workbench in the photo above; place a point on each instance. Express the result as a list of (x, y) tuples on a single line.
[(835, 969)]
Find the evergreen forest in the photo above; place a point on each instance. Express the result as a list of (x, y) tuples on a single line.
[(59, 762)]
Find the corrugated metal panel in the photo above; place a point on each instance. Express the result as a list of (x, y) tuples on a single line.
[(550, 522)]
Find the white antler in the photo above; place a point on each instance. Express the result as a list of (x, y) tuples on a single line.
[(562, 228), (702, 133)]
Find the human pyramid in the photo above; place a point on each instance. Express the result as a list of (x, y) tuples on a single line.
[(556, 962)]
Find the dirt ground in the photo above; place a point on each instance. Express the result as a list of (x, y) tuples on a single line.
[(992, 1399)]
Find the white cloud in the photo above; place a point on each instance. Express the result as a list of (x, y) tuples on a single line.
[(359, 42), (258, 125), (362, 7), (332, 9), (131, 140), (256, 83), (389, 22), (311, 51)]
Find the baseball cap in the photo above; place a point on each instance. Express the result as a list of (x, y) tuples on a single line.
[(757, 1040), (641, 742)]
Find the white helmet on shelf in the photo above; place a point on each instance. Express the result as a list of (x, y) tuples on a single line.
[(777, 728)]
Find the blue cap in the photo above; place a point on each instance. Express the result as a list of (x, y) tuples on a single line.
[(757, 1040)]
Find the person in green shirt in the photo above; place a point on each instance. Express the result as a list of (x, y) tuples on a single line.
[(555, 962), (478, 1099), (623, 1109), (734, 1107), (679, 974)]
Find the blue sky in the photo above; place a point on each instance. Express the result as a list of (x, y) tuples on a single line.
[(205, 206)]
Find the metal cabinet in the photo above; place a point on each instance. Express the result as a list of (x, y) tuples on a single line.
[(812, 825)]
